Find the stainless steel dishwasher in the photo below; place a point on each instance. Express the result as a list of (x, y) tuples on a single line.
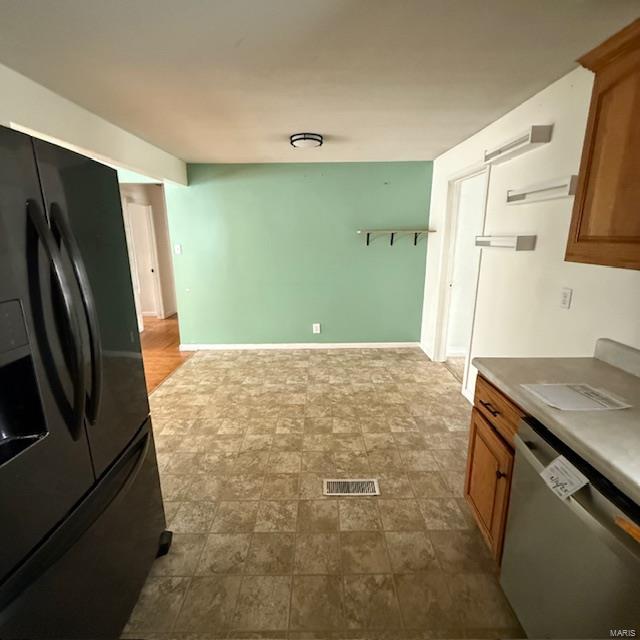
[(569, 569)]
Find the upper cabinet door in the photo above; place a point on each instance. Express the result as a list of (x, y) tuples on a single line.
[(605, 225), (82, 199)]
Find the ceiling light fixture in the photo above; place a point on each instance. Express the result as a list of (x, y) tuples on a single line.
[(306, 140)]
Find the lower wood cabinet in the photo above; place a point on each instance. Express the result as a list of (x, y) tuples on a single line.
[(488, 480)]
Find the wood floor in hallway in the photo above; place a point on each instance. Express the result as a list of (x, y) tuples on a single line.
[(160, 349)]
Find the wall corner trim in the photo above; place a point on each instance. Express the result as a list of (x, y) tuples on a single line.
[(427, 350)]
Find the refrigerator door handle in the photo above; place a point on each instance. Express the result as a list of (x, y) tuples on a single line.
[(62, 228), (79, 384), (144, 445)]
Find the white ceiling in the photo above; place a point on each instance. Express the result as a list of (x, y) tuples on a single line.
[(229, 80)]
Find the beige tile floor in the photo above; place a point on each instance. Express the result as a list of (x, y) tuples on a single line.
[(456, 367), (244, 440)]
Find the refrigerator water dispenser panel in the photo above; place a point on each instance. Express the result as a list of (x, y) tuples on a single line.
[(22, 420), (13, 333)]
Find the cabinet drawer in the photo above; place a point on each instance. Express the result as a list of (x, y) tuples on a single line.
[(498, 409)]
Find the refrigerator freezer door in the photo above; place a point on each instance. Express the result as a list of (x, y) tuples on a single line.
[(45, 467), (90, 571), (83, 202)]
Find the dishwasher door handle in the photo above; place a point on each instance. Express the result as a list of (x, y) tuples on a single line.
[(527, 449)]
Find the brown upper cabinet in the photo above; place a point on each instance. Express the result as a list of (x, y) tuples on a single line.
[(605, 224)]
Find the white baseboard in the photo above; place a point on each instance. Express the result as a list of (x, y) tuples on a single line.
[(300, 345)]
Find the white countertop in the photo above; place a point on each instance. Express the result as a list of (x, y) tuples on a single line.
[(608, 440)]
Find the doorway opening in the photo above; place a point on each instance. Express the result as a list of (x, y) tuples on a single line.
[(144, 260), (150, 259), (468, 199), (146, 228)]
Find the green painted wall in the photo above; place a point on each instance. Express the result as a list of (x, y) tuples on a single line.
[(268, 249)]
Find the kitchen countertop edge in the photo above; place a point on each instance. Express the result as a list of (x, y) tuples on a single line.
[(628, 483)]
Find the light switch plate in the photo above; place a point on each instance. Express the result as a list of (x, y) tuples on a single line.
[(177, 249), (565, 297)]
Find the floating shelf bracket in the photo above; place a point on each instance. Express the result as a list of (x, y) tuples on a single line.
[(533, 137), (517, 243), (392, 233), (549, 190)]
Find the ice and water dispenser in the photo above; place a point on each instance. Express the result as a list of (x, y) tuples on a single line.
[(21, 417)]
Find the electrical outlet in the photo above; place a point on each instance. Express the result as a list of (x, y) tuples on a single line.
[(565, 297), (316, 327)]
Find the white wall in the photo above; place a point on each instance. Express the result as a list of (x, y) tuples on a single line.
[(35, 108), (153, 195), (518, 311)]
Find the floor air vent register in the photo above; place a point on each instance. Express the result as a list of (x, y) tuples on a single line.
[(351, 487)]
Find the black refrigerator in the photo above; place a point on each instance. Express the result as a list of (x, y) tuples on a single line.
[(81, 515)]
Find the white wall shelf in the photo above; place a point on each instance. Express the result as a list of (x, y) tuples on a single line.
[(393, 233), (533, 137), (551, 189), (517, 243)]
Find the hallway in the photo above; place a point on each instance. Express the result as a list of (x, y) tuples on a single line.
[(161, 354)]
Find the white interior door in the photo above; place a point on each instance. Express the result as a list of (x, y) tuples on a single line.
[(469, 213), (140, 220), (135, 280)]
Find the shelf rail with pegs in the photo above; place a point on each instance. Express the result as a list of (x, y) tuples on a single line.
[(393, 233)]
